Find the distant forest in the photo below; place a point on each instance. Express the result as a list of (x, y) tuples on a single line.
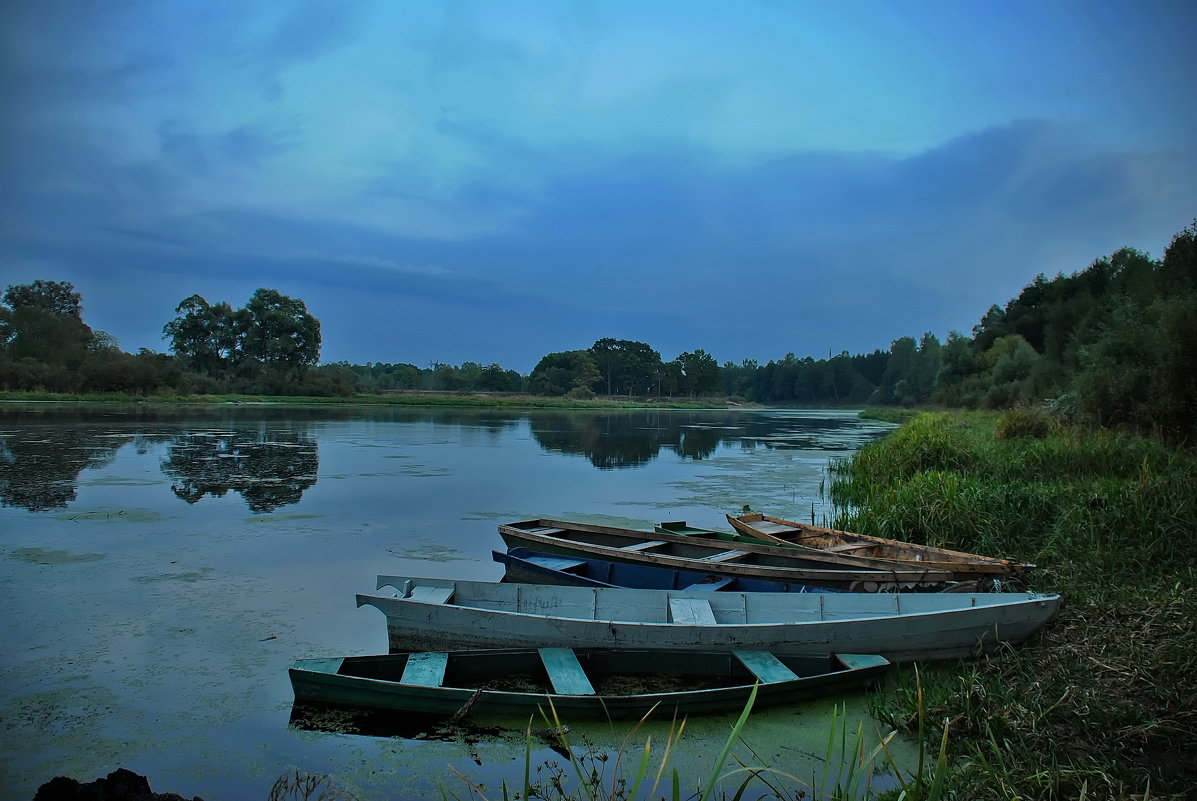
[(1114, 344)]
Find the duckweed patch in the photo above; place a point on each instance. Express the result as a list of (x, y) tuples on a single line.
[(47, 556)]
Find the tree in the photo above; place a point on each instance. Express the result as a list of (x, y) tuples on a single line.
[(210, 336), (41, 321), (560, 373), (279, 331), (699, 372), (626, 365), (272, 330), (56, 298)]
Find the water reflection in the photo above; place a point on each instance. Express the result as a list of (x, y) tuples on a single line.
[(270, 455), (40, 464), (268, 468), (614, 440)]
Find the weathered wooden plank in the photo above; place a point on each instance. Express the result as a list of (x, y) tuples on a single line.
[(712, 586), (765, 666), (724, 556), (431, 595), (640, 546), (691, 611), (426, 669), (565, 672)]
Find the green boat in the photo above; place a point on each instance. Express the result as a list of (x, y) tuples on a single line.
[(578, 682)]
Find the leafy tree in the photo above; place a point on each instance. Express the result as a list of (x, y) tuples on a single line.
[(209, 336), (896, 386), (272, 331), (55, 298), (699, 372), (561, 373), (279, 331), (41, 321), (626, 366)]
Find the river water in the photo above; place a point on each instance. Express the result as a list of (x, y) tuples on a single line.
[(161, 567)]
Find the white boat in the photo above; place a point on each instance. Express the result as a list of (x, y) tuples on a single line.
[(438, 614)]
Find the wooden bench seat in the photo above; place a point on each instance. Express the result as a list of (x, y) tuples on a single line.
[(724, 556), (765, 666), (426, 669), (691, 611), (565, 672), (641, 546), (430, 595)]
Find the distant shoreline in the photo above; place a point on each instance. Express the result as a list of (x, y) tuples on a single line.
[(442, 399)]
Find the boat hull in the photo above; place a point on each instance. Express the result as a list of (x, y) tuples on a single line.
[(773, 562), (319, 681), (530, 567), (963, 566), (899, 626)]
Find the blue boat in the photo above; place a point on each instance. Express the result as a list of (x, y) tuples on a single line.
[(531, 567)]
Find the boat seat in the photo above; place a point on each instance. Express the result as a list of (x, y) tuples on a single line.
[(547, 530), (765, 666), (426, 669), (641, 546), (724, 556), (565, 672), (850, 546), (556, 563), (691, 611), (711, 586), (430, 595)]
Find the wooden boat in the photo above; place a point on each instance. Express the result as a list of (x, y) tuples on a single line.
[(591, 682), (681, 528), (436, 613), (796, 566), (962, 565), (530, 567)]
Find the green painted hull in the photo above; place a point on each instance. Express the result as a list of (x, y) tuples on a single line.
[(628, 683)]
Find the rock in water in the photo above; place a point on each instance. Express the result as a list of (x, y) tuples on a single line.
[(120, 785)]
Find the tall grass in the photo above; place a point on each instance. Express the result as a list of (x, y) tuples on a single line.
[(1103, 702)]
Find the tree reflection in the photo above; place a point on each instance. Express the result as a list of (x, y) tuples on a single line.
[(269, 469), (39, 469), (615, 440)]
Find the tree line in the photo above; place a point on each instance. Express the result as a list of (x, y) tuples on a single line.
[(1112, 344)]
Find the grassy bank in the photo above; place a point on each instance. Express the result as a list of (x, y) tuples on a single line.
[(460, 400), (1103, 702)]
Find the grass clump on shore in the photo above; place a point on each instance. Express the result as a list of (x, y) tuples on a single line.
[(1103, 702)]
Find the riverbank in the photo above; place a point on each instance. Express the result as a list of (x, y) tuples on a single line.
[(1103, 702), (476, 400)]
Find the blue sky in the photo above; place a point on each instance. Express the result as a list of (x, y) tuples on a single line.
[(494, 181)]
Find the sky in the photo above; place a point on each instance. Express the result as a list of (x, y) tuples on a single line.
[(496, 181)]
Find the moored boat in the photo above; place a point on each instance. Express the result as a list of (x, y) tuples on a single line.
[(962, 565), (436, 613), (774, 562), (531, 567), (590, 682)]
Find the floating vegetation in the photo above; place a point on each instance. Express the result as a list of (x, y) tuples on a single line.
[(112, 516), (45, 556), (432, 553)]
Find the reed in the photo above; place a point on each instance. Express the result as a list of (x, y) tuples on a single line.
[(1103, 702)]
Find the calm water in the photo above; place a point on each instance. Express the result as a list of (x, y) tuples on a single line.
[(161, 568)]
